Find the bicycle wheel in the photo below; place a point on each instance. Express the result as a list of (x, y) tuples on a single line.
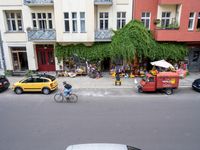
[(58, 97), (73, 98)]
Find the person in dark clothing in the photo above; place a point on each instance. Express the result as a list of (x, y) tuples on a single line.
[(117, 79), (117, 76)]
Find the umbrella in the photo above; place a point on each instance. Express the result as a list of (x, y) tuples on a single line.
[(162, 63)]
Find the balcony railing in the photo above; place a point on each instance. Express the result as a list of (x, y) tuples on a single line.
[(170, 26), (41, 35), (103, 2), (103, 35), (38, 2)]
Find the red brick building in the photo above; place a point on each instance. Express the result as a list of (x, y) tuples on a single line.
[(173, 21)]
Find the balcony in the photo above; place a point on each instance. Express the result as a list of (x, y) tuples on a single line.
[(41, 35), (103, 2), (103, 35), (38, 2), (180, 35)]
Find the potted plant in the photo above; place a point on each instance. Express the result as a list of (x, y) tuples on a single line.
[(156, 21)]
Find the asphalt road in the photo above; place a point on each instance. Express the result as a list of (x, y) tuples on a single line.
[(150, 121)]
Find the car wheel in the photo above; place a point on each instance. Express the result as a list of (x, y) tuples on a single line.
[(18, 90), (140, 90), (45, 91), (169, 91)]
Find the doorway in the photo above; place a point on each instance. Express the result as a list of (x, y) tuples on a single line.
[(45, 57), (19, 58), (106, 64)]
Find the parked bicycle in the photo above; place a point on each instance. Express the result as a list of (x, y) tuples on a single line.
[(66, 94)]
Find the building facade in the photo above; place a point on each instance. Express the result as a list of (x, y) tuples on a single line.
[(31, 28), (173, 21)]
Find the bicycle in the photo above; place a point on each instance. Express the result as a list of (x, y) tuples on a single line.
[(70, 98)]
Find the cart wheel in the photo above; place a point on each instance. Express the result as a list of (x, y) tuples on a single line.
[(169, 91)]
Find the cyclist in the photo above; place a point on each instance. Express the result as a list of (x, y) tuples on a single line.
[(68, 88)]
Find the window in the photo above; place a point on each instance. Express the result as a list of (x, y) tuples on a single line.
[(191, 21), (165, 21), (74, 22), (38, 80), (66, 21), (14, 21), (42, 20), (29, 80), (198, 22), (121, 19), (151, 79), (82, 21), (146, 19), (103, 20), (196, 55)]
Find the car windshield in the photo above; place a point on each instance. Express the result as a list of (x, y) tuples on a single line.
[(144, 78)]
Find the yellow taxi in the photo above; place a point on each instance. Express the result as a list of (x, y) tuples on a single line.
[(38, 83)]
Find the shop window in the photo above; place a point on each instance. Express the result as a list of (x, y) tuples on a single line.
[(196, 55)]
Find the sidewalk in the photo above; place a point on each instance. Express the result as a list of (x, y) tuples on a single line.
[(107, 82)]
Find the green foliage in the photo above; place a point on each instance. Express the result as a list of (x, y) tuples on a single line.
[(29, 73), (97, 51), (134, 39), (8, 72)]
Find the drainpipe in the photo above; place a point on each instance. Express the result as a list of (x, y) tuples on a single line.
[(2, 52)]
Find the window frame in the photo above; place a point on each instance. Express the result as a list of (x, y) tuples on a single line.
[(198, 21), (193, 21), (103, 20), (121, 21), (74, 22), (145, 18), (82, 22), (15, 19), (67, 20), (165, 18), (42, 23)]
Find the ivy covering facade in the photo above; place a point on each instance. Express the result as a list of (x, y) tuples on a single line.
[(132, 40)]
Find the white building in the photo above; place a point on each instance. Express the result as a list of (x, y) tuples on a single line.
[(31, 28), (1, 63)]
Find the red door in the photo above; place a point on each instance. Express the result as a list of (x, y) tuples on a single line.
[(45, 57)]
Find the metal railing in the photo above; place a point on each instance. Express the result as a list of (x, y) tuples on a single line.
[(104, 2), (41, 35), (38, 2), (103, 35)]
